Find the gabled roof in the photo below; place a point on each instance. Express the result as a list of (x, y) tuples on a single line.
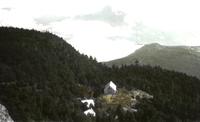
[(90, 111), (89, 102), (112, 85)]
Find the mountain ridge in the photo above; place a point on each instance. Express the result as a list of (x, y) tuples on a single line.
[(184, 59)]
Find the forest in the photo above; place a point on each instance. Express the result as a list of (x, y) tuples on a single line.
[(41, 77)]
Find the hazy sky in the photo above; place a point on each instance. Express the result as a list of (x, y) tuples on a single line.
[(108, 29)]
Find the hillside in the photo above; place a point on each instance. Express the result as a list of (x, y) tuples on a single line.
[(40, 73), (42, 77), (178, 58)]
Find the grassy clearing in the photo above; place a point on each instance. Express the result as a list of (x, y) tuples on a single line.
[(124, 98)]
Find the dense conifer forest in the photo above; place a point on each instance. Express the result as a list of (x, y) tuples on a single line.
[(42, 77)]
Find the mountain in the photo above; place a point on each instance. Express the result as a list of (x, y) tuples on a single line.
[(178, 58), (40, 74), (43, 78)]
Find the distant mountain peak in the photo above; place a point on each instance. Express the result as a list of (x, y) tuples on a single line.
[(153, 44), (184, 59)]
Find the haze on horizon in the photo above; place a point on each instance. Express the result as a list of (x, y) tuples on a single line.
[(108, 29)]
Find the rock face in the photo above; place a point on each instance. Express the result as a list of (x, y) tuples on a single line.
[(4, 115)]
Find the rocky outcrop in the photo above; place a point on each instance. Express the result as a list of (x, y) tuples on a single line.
[(4, 115)]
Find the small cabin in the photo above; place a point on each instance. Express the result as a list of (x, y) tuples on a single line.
[(110, 88), (90, 112)]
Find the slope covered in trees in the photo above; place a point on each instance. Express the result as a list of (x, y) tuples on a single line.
[(41, 77)]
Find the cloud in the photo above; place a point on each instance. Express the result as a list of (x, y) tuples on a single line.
[(114, 38), (142, 34), (106, 15), (46, 20), (7, 9)]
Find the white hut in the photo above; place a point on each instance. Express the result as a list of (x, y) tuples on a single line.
[(90, 112), (89, 102), (110, 88)]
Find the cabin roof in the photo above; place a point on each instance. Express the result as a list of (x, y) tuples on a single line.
[(112, 85), (90, 111), (89, 102)]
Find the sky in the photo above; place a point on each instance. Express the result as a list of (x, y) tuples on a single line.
[(108, 29)]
